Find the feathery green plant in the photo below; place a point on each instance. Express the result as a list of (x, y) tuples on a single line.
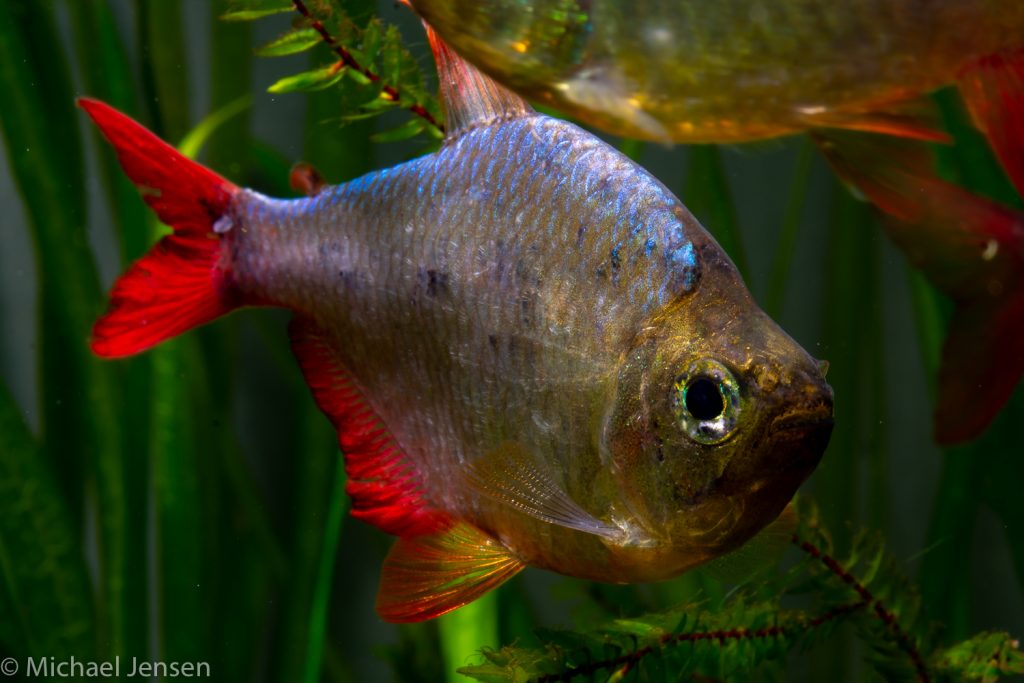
[(373, 71), (753, 629)]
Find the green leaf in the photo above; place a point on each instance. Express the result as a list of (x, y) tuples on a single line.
[(409, 129), (466, 630), (358, 76), (80, 399), (200, 134), (984, 657), (298, 40), (252, 14), (317, 79), (47, 603), (709, 197)]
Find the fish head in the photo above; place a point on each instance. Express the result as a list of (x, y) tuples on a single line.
[(718, 417)]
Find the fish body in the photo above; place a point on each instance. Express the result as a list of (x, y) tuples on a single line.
[(533, 353), (855, 75), (726, 71)]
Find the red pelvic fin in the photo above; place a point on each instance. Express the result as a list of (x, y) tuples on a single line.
[(993, 88), (385, 487), (431, 575), (182, 281), (915, 119), (971, 248)]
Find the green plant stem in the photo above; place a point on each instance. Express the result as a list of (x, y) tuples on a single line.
[(467, 630), (317, 629)]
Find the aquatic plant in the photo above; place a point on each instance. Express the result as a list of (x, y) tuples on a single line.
[(215, 440)]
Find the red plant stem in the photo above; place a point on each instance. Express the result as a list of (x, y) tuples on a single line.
[(883, 613), (348, 60), (625, 663)]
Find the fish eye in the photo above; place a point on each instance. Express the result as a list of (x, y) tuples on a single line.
[(706, 402)]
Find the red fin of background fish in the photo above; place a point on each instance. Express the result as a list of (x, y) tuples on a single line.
[(971, 248), (993, 88), (915, 119), (427, 576), (180, 283), (306, 179), (510, 475), (385, 487), (470, 98)]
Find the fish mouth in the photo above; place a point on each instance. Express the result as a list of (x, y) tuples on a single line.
[(817, 418)]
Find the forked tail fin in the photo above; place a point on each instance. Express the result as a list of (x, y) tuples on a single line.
[(971, 248), (183, 281), (993, 88)]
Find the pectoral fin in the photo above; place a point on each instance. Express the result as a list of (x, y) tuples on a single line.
[(762, 550), (511, 475), (427, 576)]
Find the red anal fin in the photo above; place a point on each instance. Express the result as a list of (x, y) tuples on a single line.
[(385, 488), (183, 281), (993, 88), (428, 576), (971, 248)]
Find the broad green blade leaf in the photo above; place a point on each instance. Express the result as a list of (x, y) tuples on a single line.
[(108, 75), (708, 196), (79, 394), (164, 74), (198, 136), (466, 631), (182, 589), (47, 601), (788, 236)]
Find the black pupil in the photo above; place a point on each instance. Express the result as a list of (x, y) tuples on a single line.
[(703, 399)]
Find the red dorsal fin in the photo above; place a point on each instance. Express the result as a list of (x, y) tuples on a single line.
[(431, 575), (993, 88), (971, 248), (182, 282), (385, 487)]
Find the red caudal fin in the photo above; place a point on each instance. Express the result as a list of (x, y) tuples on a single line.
[(182, 281), (993, 88), (971, 248), (385, 487)]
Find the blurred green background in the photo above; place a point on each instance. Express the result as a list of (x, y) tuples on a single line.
[(187, 504)]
